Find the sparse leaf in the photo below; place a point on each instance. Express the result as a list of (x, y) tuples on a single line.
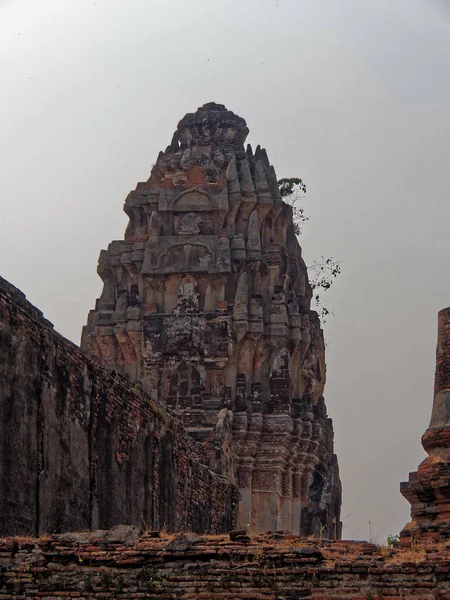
[(323, 272)]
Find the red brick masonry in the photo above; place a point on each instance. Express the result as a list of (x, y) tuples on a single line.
[(82, 448), (121, 563)]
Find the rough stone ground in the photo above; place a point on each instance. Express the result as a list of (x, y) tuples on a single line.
[(126, 563)]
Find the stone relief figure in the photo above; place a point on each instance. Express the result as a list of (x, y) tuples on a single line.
[(280, 365), (206, 225), (186, 381), (155, 225), (122, 301), (187, 298), (189, 224)]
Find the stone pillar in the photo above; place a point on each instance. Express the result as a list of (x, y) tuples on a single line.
[(428, 489), (441, 405)]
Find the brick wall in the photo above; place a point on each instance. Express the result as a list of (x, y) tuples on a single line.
[(81, 448), (123, 564)]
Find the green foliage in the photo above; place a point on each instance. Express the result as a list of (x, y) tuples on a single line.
[(323, 272), (392, 539), (149, 579), (293, 192), (88, 584), (112, 580), (289, 186)]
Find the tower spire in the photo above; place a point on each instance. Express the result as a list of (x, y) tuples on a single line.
[(428, 489)]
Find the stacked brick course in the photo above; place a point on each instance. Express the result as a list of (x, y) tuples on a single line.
[(80, 447), (122, 564)]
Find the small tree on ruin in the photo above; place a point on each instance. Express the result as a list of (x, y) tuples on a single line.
[(321, 272)]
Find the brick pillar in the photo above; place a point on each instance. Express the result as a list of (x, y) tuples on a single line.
[(428, 489), (441, 404)]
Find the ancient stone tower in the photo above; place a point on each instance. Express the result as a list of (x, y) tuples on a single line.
[(428, 489), (206, 303)]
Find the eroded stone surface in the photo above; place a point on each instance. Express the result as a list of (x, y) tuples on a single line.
[(206, 303), (81, 447)]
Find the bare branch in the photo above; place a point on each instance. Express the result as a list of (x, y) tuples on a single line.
[(322, 273)]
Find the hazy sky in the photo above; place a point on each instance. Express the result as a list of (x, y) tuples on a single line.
[(351, 95)]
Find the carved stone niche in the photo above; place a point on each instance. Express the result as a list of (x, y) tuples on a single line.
[(193, 223), (187, 254), (186, 386), (194, 200), (191, 213), (209, 208), (188, 224)]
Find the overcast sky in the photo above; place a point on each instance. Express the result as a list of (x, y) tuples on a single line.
[(351, 95)]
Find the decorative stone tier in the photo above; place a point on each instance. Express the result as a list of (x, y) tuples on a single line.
[(428, 490), (121, 563), (81, 447), (206, 303)]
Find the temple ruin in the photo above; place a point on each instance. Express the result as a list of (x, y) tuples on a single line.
[(196, 405), (428, 489), (206, 305)]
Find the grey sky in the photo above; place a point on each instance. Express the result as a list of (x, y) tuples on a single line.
[(351, 95)]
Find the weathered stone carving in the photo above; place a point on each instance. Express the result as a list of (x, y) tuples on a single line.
[(189, 224), (208, 297)]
